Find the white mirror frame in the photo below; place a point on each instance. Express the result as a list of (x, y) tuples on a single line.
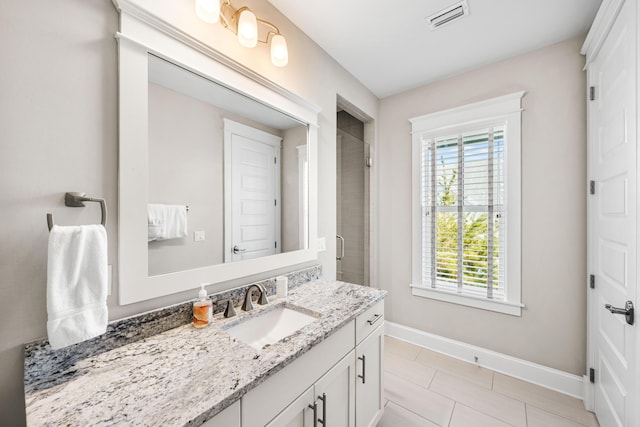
[(140, 35)]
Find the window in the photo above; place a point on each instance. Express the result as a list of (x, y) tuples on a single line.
[(466, 214)]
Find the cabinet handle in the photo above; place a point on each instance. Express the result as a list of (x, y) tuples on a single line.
[(324, 409), (363, 368), (374, 319), (315, 413)]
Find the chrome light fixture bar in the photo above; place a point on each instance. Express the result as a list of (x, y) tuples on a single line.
[(246, 26)]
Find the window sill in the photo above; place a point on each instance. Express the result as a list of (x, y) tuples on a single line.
[(513, 309)]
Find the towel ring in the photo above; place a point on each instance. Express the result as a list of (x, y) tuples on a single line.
[(76, 200)]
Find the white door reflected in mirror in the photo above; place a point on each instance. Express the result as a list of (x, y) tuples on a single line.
[(252, 192)]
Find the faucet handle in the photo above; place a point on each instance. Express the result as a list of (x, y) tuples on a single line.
[(230, 311)]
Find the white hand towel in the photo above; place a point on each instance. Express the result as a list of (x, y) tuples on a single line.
[(76, 284), (167, 221)]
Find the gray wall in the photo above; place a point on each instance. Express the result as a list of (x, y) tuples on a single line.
[(58, 132), (552, 329), (185, 168)]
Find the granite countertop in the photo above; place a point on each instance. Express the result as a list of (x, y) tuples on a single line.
[(184, 376)]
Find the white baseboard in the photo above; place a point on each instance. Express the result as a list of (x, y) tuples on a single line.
[(543, 376)]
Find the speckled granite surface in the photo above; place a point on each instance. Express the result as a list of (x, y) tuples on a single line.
[(184, 376), (42, 365)]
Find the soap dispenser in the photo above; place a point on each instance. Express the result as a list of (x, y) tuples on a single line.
[(202, 309)]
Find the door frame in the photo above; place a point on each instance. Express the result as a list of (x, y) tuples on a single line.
[(370, 138), (235, 128)]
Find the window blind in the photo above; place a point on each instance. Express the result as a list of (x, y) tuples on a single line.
[(464, 216)]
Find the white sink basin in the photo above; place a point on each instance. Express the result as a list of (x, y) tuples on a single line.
[(270, 327)]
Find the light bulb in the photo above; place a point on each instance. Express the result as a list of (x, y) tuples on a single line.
[(247, 29), (208, 10), (279, 52)]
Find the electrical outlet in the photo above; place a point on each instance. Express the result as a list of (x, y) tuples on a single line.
[(198, 236), (322, 244)]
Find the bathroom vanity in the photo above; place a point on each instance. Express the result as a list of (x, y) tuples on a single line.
[(156, 369), (329, 370)]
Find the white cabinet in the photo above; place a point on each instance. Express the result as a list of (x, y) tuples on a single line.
[(340, 380), (330, 401), (369, 359), (230, 417), (277, 393), (369, 391)]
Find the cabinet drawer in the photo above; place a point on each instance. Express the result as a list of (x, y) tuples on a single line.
[(368, 321)]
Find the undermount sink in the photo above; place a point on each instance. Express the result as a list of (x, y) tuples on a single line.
[(271, 326)]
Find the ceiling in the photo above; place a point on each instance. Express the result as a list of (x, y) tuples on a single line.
[(388, 46)]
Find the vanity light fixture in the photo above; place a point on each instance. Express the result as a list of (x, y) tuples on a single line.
[(246, 26)]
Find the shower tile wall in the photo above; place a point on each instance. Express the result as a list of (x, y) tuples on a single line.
[(352, 193)]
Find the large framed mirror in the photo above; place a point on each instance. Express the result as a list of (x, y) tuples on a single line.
[(217, 171)]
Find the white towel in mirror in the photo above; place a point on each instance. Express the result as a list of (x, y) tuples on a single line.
[(167, 221)]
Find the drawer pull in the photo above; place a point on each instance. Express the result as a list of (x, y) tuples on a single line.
[(374, 319), (315, 413), (363, 358), (323, 398)]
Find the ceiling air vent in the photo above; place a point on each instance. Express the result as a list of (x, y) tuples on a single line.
[(448, 15)]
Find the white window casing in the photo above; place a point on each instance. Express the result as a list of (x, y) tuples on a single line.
[(452, 134)]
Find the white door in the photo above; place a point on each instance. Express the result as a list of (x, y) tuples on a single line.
[(335, 394), (252, 192), (612, 223)]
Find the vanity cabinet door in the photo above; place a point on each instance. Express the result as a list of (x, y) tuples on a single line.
[(369, 392), (335, 394), (230, 417), (298, 414)]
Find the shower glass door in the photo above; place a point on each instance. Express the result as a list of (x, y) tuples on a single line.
[(352, 240)]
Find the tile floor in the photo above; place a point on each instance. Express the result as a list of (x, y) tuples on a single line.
[(425, 388)]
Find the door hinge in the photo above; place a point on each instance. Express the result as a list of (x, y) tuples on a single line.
[(275, 245), (592, 187), (592, 281), (275, 160), (275, 202), (592, 93), (592, 375)]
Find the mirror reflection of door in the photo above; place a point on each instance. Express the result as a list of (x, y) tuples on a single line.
[(252, 192)]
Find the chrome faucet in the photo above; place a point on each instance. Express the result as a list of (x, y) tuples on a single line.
[(247, 305)]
